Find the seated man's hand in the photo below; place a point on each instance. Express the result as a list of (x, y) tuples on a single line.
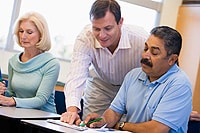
[(92, 117), (71, 116), (194, 116)]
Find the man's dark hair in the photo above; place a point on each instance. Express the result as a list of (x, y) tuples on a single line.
[(100, 7), (172, 39)]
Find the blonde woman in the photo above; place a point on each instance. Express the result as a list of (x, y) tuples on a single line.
[(33, 73)]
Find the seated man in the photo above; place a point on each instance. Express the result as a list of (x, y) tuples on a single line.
[(157, 97)]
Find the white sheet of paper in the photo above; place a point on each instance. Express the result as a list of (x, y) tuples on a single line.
[(58, 122)]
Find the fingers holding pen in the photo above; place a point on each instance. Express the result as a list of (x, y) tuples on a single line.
[(94, 120), (99, 123)]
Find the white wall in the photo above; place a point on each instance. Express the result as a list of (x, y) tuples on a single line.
[(169, 12)]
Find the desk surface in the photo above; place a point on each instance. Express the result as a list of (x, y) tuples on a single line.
[(49, 127), (22, 113)]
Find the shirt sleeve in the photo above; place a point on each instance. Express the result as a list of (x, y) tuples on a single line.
[(79, 70)]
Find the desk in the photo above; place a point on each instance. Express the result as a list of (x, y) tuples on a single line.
[(10, 118), (42, 126)]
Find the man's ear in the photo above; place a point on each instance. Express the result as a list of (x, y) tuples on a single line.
[(172, 59)]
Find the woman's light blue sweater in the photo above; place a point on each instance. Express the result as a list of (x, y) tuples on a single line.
[(32, 83)]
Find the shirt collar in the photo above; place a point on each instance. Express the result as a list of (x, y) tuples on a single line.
[(143, 77)]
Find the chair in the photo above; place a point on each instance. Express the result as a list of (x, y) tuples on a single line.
[(60, 99), (193, 127)]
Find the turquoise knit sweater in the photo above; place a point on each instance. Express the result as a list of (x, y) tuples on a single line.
[(32, 83)]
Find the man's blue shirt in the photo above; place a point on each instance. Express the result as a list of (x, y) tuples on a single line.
[(167, 99)]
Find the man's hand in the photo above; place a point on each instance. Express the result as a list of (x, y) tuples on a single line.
[(71, 116), (94, 116), (194, 116)]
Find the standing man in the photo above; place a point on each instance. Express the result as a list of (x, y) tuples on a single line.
[(103, 54), (157, 97)]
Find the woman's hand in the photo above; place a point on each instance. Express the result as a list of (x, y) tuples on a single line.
[(7, 101), (2, 88)]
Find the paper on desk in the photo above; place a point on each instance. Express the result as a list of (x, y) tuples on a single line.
[(90, 130), (86, 129), (58, 122)]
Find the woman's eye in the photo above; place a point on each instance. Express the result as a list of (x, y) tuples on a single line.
[(29, 32), (21, 31)]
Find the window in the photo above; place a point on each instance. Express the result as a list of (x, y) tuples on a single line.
[(5, 15), (65, 21)]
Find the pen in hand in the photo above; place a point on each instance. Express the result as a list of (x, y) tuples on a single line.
[(90, 122)]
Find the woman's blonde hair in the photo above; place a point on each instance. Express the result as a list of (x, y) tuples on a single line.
[(39, 21)]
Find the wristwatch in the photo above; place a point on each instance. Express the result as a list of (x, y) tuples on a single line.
[(121, 125)]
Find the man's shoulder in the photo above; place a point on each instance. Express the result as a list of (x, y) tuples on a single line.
[(134, 30), (136, 71)]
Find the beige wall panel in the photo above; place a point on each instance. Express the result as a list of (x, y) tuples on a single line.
[(188, 24)]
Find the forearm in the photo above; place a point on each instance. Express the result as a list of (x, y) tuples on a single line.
[(145, 127), (111, 117)]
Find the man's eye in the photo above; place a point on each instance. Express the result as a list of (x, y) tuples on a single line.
[(145, 49), (96, 29), (154, 53), (108, 29)]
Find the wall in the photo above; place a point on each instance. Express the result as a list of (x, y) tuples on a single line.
[(169, 12), (196, 94), (188, 24)]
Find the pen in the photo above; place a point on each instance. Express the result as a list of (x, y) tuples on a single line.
[(2, 81), (90, 122)]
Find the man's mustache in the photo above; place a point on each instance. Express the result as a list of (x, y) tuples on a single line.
[(146, 62)]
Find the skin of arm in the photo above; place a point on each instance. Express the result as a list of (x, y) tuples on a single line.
[(111, 118), (144, 127), (194, 116), (71, 116)]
